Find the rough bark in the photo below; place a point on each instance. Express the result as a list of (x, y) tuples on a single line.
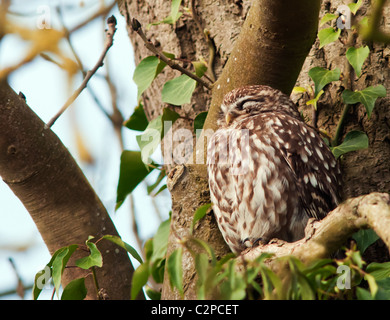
[(364, 171), (44, 176), (263, 61)]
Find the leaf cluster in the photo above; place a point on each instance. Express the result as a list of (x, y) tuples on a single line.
[(267, 277), (76, 289), (321, 77)]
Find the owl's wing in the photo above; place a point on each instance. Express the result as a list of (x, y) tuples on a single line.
[(318, 177), (222, 191)]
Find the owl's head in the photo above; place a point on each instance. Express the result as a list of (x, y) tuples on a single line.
[(255, 99)]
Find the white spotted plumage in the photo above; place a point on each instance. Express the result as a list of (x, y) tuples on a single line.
[(269, 172)]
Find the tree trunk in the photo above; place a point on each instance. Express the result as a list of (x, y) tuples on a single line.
[(270, 49), (44, 176), (367, 170)]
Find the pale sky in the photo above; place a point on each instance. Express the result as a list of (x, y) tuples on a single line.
[(44, 86)]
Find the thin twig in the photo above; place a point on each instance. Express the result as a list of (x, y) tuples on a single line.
[(137, 28), (79, 62), (111, 22), (116, 116), (135, 225), (95, 282), (102, 12), (20, 290), (211, 46), (340, 126)]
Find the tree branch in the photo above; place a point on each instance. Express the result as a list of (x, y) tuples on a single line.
[(66, 210), (324, 237)]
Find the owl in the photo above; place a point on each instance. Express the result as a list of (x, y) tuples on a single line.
[(269, 172)]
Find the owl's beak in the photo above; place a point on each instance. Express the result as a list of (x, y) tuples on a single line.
[(228, 117)]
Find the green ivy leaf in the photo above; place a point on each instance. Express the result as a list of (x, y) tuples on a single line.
[(61, 258), (175, 14), (199, 214), (328, 35), (150, 139), (363, 294), (145, 73), (371, 284), (179, 90), (147, 70), (199, 121), (75, 290), (118, 241), (162, 64), (173, 17), (364, 238), (200, 68), (363, 24), (383, 289), (234, 286), (354, 7), (315, 100), (94, 259), (328, 17), (354, 140), (274, 283), (148, 248), (160, 177), (300, 282), (175, 270), (207, 248), (356, 57), (299, 90), (140, 278), (321, 77), (170, 116), (137, 120), (162, 188), (367, 97), (132, 172), (201, 266), (160, 241), (152, 294), (40, 280), (379, 270)]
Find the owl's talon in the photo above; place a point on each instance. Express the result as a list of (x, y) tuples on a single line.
[(251, 244), (260, 241)]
